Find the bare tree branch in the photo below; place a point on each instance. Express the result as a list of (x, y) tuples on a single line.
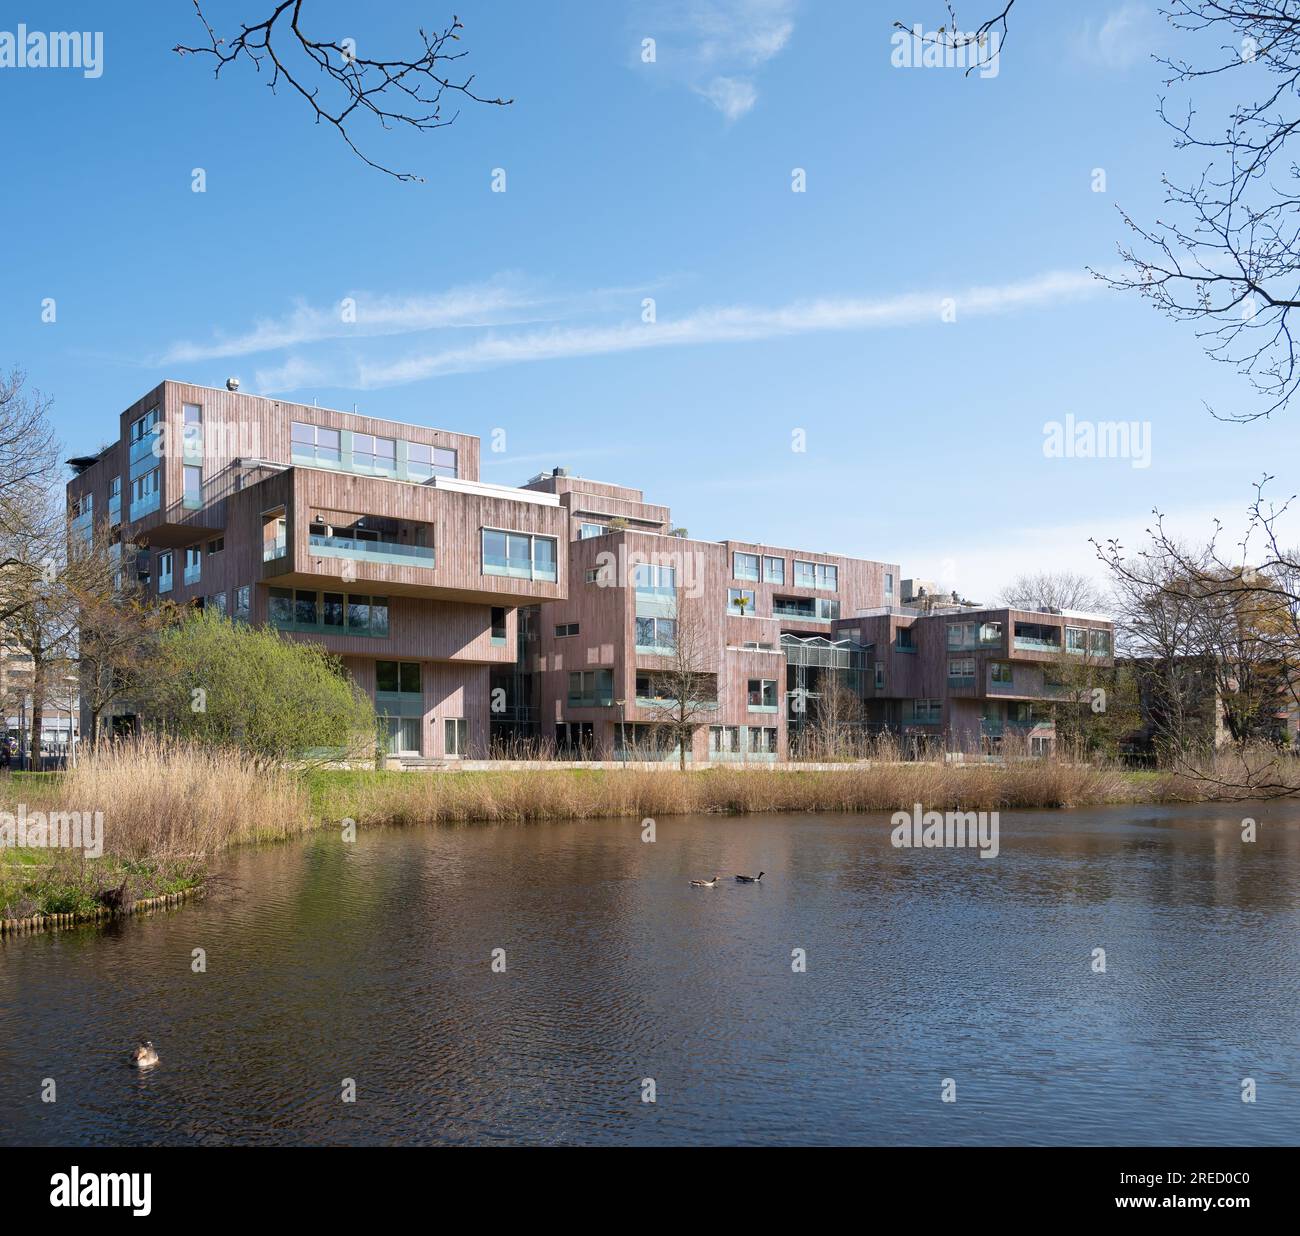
[(349, 85)]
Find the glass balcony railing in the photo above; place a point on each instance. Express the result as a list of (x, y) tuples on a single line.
[(1030, 643), (274, 549), (372, 551), (141, 448), (494, 564)]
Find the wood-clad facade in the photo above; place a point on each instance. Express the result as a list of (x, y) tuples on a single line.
[(446, 596)]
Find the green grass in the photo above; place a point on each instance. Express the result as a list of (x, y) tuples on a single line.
[(34, 882)]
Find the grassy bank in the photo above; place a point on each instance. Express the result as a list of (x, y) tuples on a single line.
[(169, 809)]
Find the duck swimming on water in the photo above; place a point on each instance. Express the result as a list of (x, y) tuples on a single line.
[(750, 879), (144, 1056), (713, 883)]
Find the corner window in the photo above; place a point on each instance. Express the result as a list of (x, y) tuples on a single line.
[(423, 462)]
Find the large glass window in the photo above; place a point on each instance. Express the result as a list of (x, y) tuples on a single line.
[(1076, 639), (193, 564), (142, 427), (961, 668), (805, 574), (424, 462), (165, 561), (1001, 671), (1099, 642), (774, 570), (332, 614), (243, 603), (144, 493), (828, 577), (314, 444), (745, 566), (650, 577), (519, 555), (374, 454)]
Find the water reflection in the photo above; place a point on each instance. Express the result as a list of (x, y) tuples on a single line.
[(371, 961)]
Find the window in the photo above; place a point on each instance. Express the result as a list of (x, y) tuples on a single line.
[(927, 712), (144, 493), (587, 531), (774, 570), (906, 639), (1076, 639), (762, 740), (425, 462), (1001, 671), (217, 601), (828, 577), (192, 428), (649, 577), (165, 571), (961, 634), (314, 444), (564, 630), (744, 566), (1099, 642), (372, 454), (889, 584), (805, 574), (336, 614), (762, 693), (961, 669), (455, 735), (498, 624), (519, 555), (400, 677), (216, 545), (193, 564), (591, 688), (740, 601), (828, 608), (144, 426), (656, 634), (880, 675), (115, 500), (243, 603), (724, 739), (193, 486)]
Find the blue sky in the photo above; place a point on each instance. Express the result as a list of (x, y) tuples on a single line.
[(776, 311)]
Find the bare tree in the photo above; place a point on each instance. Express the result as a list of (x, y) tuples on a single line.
[(27, 457), (1227, 257), (952, 36), (836, 726), (339, 84), (688, 683), (1226, 626), (1054, 590)]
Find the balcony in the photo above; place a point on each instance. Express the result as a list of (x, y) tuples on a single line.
[(271, 550), (369, 551), (1033, 643)]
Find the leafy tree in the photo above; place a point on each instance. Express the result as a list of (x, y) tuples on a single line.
[(228, 684)]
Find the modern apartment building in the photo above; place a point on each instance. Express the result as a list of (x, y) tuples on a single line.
[(478, 616)]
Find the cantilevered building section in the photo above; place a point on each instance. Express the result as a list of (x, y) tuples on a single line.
[(486, 619)]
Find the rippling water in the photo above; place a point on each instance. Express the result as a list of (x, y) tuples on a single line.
[(372, 961)]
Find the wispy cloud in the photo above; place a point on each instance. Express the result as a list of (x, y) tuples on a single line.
[(363, 315), (728, 324), (1121, 38), (716, 47)]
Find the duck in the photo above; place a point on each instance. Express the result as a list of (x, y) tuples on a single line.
[(750, 879), (145, 1056), (713, 883)]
